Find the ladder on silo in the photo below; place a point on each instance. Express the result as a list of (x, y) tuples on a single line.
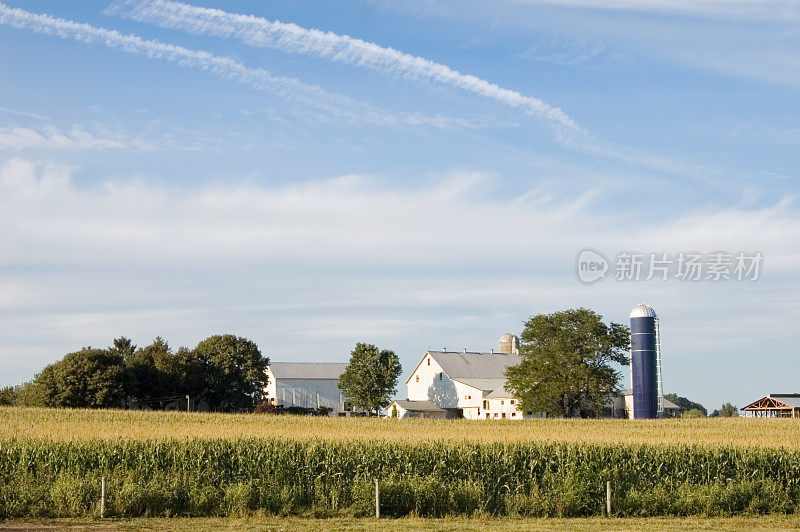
[(659, 376)]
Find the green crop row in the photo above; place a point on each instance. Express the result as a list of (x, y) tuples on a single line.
[(235, 477)]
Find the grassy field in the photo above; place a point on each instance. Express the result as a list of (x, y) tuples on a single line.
[(454, 524), (72, 425)]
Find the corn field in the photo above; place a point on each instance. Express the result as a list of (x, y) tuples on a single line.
[(71, 425), (286, 470)]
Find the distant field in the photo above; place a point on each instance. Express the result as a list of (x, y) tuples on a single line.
[(68, 425)]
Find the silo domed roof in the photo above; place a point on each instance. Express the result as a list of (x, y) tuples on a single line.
[(643, 310), (509, 344)]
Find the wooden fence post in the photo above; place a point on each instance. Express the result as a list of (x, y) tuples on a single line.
[(377, 500), (608, 498), (102, 497)]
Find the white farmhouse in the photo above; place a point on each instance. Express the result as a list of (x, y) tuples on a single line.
[(463, 384), (307, 385)]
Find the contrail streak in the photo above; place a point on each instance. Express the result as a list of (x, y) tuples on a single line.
[(256, 31), (225, 67)]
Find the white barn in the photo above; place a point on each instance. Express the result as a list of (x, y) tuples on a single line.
[(465, 384), (307, 385)]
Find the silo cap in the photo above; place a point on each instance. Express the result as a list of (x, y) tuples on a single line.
[(643, 310)]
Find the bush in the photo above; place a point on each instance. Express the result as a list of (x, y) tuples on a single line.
[(153, 497), (466, 498), (204, 501), (74, 497), (531, 504), (24, 496), (240, 499)]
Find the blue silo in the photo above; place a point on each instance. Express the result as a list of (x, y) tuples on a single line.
[(644, 362)]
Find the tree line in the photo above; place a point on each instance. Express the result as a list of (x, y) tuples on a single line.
[(567, 368), (223, 373)]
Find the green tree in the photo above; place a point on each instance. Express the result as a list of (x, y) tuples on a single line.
[(190, 373), (30, 394), (684, 404), (123, 347), (566, 363), (234, 372), (92, 378), (151, 372), (726, 410), (7, 396), (370, 378)]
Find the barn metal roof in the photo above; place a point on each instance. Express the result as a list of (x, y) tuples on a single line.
[(466, 365), (776, 401), (789, 399), (500, 393), (419, 406), (487, 385), (308, 370)]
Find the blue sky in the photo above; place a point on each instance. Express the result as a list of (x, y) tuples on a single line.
[(417, 174)]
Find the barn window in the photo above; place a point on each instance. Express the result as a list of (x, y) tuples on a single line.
[(513, 414), (504, 415), (429, 361), (485, 404), (417, 378), (502, 402), (512, 401), (441, 376)]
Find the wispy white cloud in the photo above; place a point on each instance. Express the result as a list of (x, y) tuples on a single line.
[(569, 52), (76, 138), (783, 10), (224, 67), (348, 219), (22, 113), (748, 39), (340, 48), (333, 105), (291, 38)]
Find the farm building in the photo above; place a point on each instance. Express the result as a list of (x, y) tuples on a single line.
[(622, 406), (310, 385), (408, 409), (775, 405), (464, 384)]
